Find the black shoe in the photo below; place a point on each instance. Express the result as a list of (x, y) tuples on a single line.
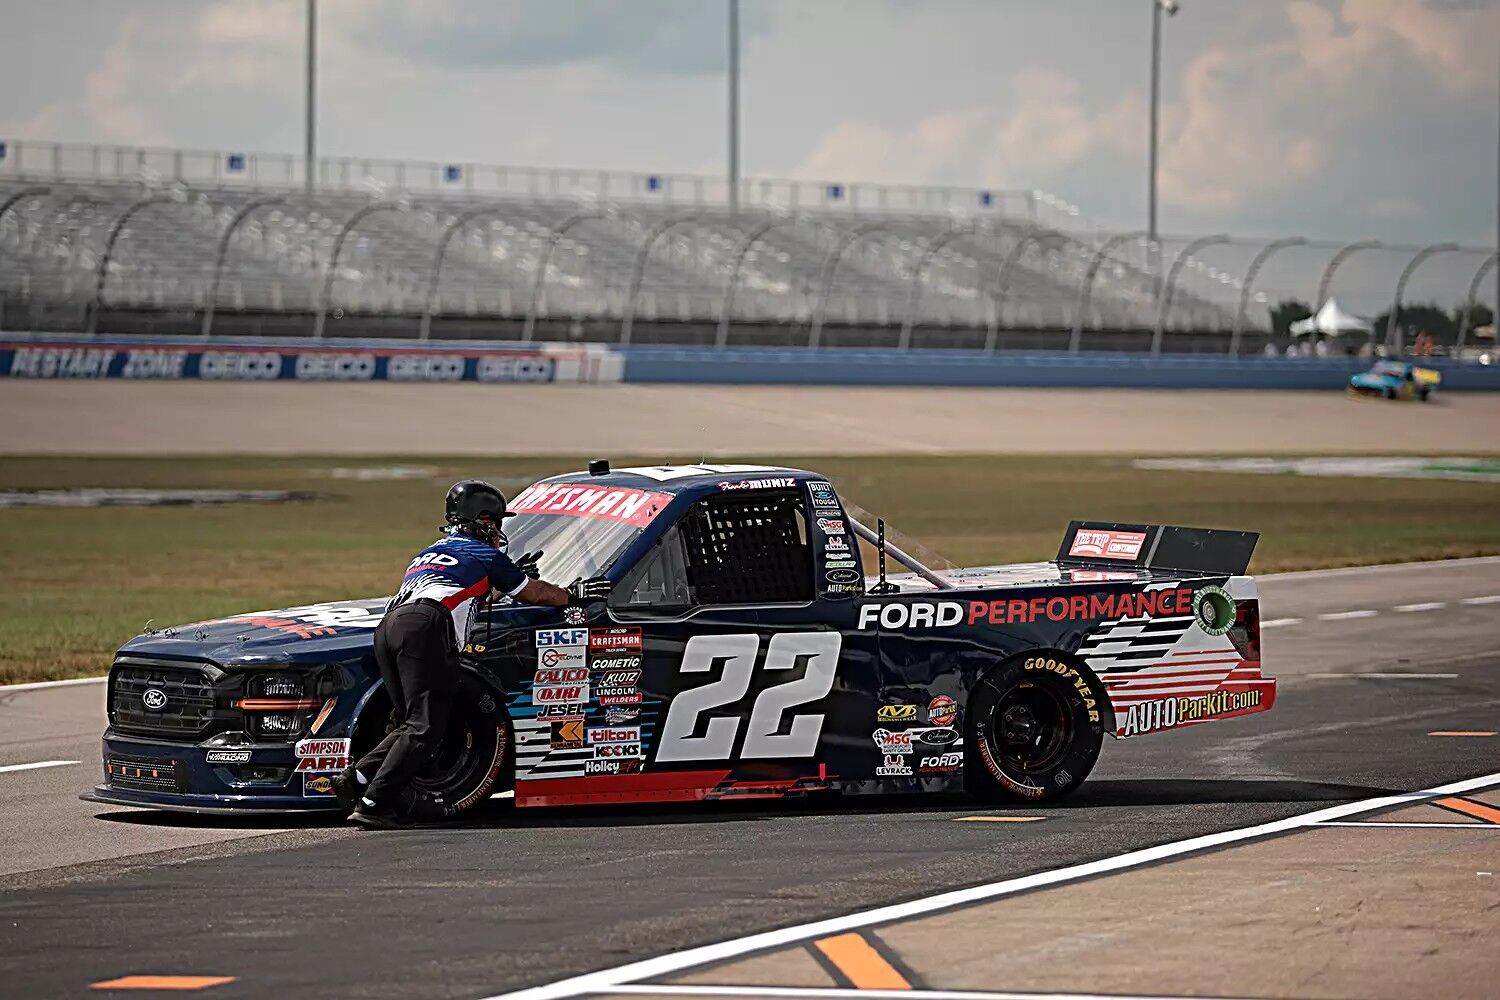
[(374, 818), (346, 788)]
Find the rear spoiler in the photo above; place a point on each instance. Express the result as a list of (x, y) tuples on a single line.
[(1157, 546)]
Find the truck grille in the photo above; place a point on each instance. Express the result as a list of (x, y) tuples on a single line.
[(151, 774), (173, 700)]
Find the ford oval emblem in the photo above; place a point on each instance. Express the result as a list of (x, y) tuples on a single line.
[(155, 699)]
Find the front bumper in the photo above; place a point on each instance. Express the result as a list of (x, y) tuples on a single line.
[(178, 777)]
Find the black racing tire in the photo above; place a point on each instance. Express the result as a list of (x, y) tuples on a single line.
[(474, 761), (1390, 393), (1423, 393), (1035, 729)]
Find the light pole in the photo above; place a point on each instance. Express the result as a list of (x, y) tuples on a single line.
[(734, 107), (1158, 7), (312, 83)]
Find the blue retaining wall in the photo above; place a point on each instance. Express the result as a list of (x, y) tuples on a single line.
[(978, 368)]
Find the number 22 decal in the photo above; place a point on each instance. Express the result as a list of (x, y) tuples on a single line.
[(818, 652)]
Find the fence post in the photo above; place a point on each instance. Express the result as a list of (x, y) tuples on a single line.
[(545, 261), (1170, 287), (1086, 286)]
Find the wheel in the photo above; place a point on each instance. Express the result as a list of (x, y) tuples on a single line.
[(1390, 393), (1423, 393), (472, 761), (1035, 726)]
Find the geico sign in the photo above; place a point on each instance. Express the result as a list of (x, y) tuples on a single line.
[(912, 614), (335, 366), (238, 365)]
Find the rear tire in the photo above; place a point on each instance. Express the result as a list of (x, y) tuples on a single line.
[(1035, 728), (474, 760)]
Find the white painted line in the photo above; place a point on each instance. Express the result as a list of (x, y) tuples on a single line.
[(1435, 826), (836, 993), (1389, 676), (38, 685), (1486, 599), (1343, 616), (1308, 574), (1424, 606), (37, 764), (609, 980), (1279, 622)]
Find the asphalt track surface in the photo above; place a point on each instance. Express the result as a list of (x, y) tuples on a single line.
[(689, 422), (523, 899)]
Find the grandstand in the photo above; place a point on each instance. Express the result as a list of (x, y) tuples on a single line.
[(129, 239)]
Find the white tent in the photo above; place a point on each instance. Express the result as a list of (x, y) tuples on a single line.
[(1330, 321)]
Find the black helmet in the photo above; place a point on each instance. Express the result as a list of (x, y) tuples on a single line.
[(472, 499)]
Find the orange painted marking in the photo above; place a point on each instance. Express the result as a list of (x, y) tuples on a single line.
[(998, 819), (1476, 809), (1451, 732), (162, 983), (860, 963)]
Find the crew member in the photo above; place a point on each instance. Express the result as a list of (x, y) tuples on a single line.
[(418, 641)]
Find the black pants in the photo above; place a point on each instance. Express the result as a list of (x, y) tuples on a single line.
[(418, 659)]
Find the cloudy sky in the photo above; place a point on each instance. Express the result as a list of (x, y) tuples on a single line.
[(1331, 118)]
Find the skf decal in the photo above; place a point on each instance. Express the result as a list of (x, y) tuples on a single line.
[(562, 636)]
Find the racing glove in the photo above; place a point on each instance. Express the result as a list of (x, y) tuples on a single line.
[(527, 564), (583, 591)]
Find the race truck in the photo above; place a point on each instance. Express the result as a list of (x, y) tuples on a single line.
[(747, 651)]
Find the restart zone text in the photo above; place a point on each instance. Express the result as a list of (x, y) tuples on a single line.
[(743, 654)]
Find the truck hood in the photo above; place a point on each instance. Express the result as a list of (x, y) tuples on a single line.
[(312, 633)]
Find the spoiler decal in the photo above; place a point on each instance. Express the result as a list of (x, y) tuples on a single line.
[(1156, 546)]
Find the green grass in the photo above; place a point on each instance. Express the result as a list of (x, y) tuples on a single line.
[(80, 581)]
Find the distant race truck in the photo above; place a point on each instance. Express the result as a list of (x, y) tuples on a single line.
[(746, 652), (1396, 380)]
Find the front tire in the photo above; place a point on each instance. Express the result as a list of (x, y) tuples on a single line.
[(474, 760), (1036, 729)]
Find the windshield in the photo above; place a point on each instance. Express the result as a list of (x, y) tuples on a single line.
[(580, 528)]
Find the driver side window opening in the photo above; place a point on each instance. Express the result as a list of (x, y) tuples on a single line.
[(728, 550)]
